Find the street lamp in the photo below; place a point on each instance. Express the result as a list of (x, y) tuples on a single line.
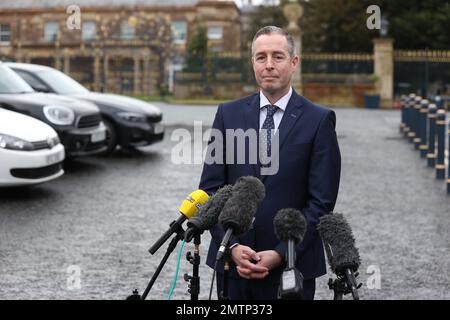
[(384, 26)]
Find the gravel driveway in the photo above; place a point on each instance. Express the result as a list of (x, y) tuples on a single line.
[(86, 235)]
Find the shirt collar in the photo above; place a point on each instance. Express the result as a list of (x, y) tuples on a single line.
[(282, 103)]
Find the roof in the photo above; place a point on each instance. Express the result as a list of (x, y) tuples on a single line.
[(16, 4), (27, 66)]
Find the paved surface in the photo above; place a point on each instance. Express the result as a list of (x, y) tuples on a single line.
[(103, 215)]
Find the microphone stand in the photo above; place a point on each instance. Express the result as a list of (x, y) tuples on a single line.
[(291, 281), (344, 284), (194, 280), (172, 245), (226, 269)]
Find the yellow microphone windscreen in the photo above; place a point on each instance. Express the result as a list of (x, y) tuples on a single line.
[(193, 203)]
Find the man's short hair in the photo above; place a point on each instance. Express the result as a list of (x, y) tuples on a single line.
[(271, 30)]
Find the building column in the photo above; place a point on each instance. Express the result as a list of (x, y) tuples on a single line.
[(137, 74), (105, 72), (58, 62), (97, 79), (293, 11), (146, 84), (384, 70), (18, 55), (66, 64)]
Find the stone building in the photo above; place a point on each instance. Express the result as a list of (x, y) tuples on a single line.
[(128, 46)]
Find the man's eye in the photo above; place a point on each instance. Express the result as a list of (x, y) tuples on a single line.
[(260, 58)]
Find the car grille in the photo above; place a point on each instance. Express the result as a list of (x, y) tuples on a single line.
[(39, 145), (45, 144), (91, 120), (36, 173), (153, 119)]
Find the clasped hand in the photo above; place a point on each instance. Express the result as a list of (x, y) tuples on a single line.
[(255, 265)]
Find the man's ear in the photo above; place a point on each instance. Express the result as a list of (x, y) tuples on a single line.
[(295, 61)]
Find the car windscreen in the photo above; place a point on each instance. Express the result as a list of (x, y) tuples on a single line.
[(61, 83), (10, 82)]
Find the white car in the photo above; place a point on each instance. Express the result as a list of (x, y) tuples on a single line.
[(30, 150)]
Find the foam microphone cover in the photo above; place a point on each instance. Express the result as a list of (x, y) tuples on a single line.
[(339, 242), (289, 224), (246, 196), (208, 214)]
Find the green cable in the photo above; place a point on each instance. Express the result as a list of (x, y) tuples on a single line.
[(176, 271)]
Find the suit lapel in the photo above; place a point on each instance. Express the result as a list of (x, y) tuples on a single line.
[(251, 116), (292, 113)]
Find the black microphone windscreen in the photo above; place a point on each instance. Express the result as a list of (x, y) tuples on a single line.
[(208, 214), (339, 242), (246, 195), (289, 223)]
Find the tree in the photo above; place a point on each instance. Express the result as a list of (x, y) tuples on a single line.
[(418, 24), (264, 15), (197, 50), (341, 25), (337, 26)]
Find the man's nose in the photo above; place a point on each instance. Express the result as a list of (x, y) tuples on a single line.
[(269, 63)]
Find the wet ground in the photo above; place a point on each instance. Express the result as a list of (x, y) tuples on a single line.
[(86, 235)]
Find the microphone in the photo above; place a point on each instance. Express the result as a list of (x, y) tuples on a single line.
[(290, 227), (343, 256), (189, 208), (237, 215), (208, 214)]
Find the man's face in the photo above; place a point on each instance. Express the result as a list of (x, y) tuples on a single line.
[(272, 64)]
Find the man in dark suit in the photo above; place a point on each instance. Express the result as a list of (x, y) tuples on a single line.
[(307, 175)]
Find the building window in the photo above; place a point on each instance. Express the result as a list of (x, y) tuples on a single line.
[(89, 31), (51, 31), (126, 30), (5, 33), (179, 31), (215, 33)]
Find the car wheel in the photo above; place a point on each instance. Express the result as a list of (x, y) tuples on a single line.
[(111, 137)]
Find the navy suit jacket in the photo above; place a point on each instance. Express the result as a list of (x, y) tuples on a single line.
[(307, 179)]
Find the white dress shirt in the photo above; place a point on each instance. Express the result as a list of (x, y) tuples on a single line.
[(281, 104)]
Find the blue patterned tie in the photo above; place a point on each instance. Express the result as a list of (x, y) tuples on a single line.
[(269, 125)]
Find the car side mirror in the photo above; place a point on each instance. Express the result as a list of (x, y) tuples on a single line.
[(41, 88)]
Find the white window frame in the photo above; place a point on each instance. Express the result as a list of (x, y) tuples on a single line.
[(127, 31), (46, 35), (179, 37), (5, 33), (213, 35), (89, 34)]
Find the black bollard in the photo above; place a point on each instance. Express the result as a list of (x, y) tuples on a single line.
[(416, 122), (448, 161), (431, 156), (409, 104), (403, 112), (439, 102), (423, 147), (440, 128), (410, 117)]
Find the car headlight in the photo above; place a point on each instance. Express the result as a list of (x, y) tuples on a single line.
[(59, 115), (53, 141), (13, 143), (133, 117)]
